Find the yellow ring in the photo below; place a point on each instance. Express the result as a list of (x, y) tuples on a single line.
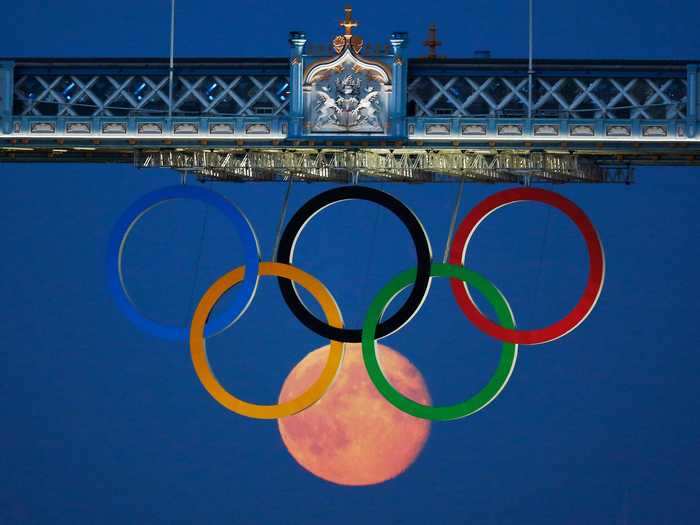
[(198, 346)]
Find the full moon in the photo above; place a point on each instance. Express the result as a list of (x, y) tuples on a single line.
[(352, 435)]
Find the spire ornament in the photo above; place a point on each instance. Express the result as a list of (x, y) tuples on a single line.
[(347, 94), (348, 23), (432, 43), (340, 42)]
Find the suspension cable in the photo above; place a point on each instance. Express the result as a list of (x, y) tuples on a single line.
[(372, 244), (453, 221), (283, 215), (198, 263), (172, 58)]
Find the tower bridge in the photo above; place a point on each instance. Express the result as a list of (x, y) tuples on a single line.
[(343, 113)]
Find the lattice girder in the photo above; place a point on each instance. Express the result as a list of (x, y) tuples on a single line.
[(565, 97), (110, 95)]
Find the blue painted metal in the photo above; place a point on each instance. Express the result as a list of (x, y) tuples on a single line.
[(334, 89), (397, 111), (297, 41), (693, 99), (260, 102), (6, 95), (346, 110)]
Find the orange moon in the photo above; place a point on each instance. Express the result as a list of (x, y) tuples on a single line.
[(353, 436)]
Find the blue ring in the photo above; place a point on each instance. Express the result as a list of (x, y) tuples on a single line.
[(243, 293)]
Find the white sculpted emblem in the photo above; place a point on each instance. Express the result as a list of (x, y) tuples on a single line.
[(347, 94), (353, 106)]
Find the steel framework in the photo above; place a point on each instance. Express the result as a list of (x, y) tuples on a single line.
[(147, 94), (450, 119), (569, 97), (377, 165)]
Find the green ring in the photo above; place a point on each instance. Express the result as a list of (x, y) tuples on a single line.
[(509, 351)]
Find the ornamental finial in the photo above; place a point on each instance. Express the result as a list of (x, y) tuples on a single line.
[(348, 40), (432, 43), (348, 23)]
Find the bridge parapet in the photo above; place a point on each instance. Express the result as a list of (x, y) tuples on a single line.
[(611, 112), (6, 96), (571, 100), (693, 95), (129, 98), (441, 101)]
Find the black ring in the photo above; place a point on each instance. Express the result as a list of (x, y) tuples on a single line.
[(285, 252)]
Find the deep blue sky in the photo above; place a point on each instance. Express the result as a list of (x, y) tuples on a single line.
[(102, 424)]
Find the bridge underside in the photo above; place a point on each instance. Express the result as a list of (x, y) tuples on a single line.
[(523, 163), (383, 165), (328, 164)]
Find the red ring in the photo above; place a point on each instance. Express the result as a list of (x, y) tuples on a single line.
[(596, 266)]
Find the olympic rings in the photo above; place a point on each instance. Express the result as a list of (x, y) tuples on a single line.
[(596, 266), (509, 352), (198, 347), (373, 327), (131, 216), (285, 253)]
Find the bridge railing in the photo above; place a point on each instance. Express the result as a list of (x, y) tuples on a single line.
[(447, 100), (625, 99), (624, 90), (570, 97), (134, 89)]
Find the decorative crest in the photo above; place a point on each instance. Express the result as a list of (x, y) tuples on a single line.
[(432, 43), (348, 93), (348, 23), (348, 39)]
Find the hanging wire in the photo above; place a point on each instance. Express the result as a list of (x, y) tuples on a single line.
[(453, 220), (199, 260), (283, 215), (530, 70), (183, 181), (372, 243), (171, 69)]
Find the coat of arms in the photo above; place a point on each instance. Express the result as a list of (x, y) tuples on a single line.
[(353, 106), (347, 94)]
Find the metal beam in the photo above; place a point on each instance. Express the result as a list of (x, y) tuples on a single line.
[(317, 165)]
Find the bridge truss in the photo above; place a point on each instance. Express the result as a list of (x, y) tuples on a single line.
[(451, 120), (384, 165)]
